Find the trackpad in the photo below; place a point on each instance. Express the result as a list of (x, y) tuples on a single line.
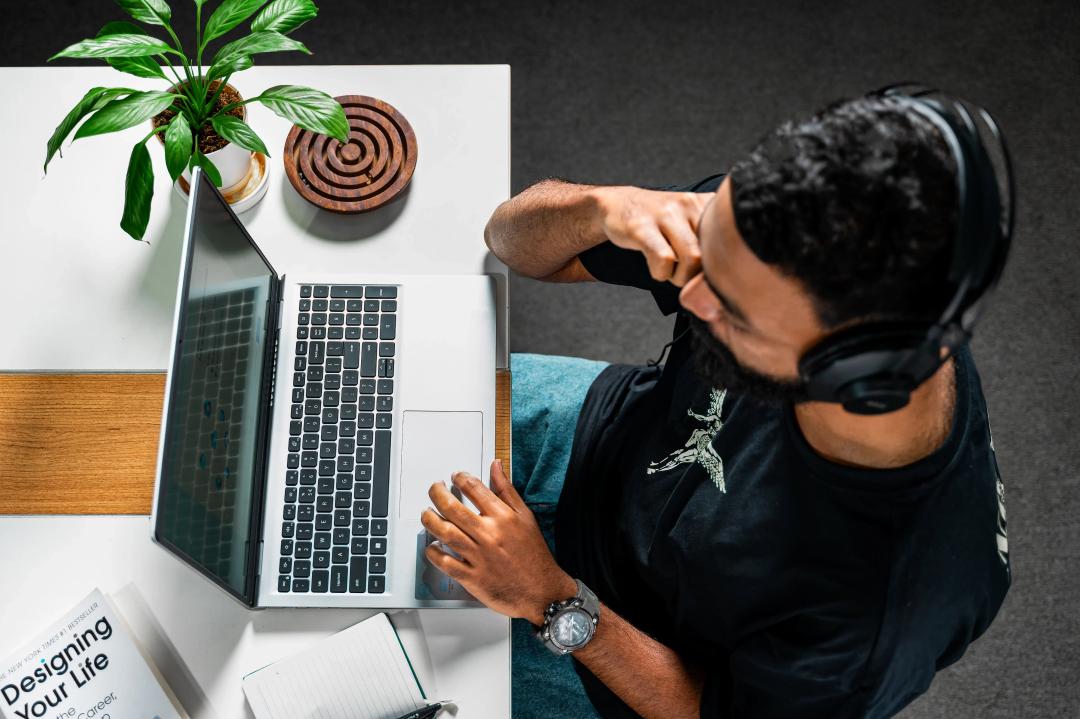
[(435, 445)]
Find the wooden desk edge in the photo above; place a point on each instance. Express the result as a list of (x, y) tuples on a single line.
[(87, 443)]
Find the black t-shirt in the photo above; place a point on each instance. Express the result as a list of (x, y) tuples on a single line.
[(801, 587)]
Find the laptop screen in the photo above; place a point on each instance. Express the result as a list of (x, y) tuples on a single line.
[(213, 446)]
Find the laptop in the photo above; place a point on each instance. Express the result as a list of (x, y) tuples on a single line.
[(306, 417)]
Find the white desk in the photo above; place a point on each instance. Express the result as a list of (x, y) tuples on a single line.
[(80, 295)]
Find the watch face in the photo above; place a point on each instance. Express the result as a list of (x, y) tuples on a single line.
[(572, 629)]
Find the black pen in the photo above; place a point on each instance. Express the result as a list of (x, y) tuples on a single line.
[(425, 712)]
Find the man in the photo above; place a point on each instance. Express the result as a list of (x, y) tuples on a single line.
[(754, 553)]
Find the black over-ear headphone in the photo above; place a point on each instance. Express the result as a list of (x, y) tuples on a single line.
[(872, 368)]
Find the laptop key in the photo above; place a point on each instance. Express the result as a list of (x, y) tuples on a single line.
[(354, 305), (376, 584), (358, 575), (369, 355), (348, 412), (336, 319), (361, 508), (319, 306), (287, 531), (303, 551), (362, 490), (367, 404), (364, 437), (324, 504), (285, 565), (330, 415), (367, 386), (305, 290), (386, 386), (334, 349), (288, 512), (371, 333), (324, 522), (321, 560), (363, 471), (297, 411), (322, 540), (342, 518), (307, 476), (311, 424), (381, 292), (331, 399), (347, 429), (378, 527), (286, 547), (359, 545), (342, 500), (385, 404), (298, 398), (384, 420), (350, 378), (294, 446), (344, 481), (313, 406), (328, 450), (322, 291), (337, 305), (352, 333), (333, 365), (315, 374), (371, 320), (293, 462), (378, 545), (333, 382), (335, 333), (314, 389), (339, 579), (301, 333), (345, 464), (380, 497), (320, 581), (360, 527), (301, 585), (339, 555), (295, 428), (326, 468), (387, 327), (351, 356), (305, 513), (389, 305), (377, 565), (290, 494), (307, 495), (386, 349), (316, 352), (386, 367), (298, 379), (308, 459), (283, 584), (365, 420), (346, 291), (326, 485)]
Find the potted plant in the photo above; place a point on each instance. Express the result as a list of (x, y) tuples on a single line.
[(200, 115)]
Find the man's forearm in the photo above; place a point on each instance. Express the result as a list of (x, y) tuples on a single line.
[(648, 676), (542, 229)]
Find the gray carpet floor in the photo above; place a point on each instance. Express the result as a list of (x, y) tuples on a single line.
[(664, 92)]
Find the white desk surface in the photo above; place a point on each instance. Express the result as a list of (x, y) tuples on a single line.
[(79, 294), (110, 298), (203, 641)]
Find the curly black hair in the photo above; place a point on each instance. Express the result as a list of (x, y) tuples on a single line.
[(858, 203)]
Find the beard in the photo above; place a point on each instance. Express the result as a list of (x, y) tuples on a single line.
[(716, 365)]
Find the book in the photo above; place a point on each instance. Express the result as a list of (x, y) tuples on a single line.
[(85, 665), (361, 672)]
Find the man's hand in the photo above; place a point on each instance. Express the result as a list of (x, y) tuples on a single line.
[(661, 225), (505, 562)]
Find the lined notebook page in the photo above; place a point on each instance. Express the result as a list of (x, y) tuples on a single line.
[(359, 673)]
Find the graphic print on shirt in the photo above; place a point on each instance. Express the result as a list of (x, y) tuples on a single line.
[(699, 447), (1002, 531)]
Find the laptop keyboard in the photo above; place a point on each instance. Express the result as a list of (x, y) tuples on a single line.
[(335, 518)]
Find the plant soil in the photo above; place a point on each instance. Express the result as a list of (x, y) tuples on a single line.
[(208, 139)]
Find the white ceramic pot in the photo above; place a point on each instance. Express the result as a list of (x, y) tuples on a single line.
[(232, 161)]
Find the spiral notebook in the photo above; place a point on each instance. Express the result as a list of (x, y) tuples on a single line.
[(362, 672)]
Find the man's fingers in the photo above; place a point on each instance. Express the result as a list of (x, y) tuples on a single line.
[(448, 565), (658, 253), (453, 510), (481, 496), (504, 488), (446, 532), (687, 248)]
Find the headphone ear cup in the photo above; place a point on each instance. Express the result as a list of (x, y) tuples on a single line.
[(870, 368)]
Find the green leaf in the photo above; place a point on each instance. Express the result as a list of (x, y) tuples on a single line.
[(94, 99), (178, 142), (242, 62), (121, 45), (138, 66), (284, 16), (207, 165), (228, 15), (265, 41), (310, 109), (138, 191), (128, 112), (151, 12), (239, 132)]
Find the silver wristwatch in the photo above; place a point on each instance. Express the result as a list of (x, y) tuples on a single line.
[(569, 625)]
